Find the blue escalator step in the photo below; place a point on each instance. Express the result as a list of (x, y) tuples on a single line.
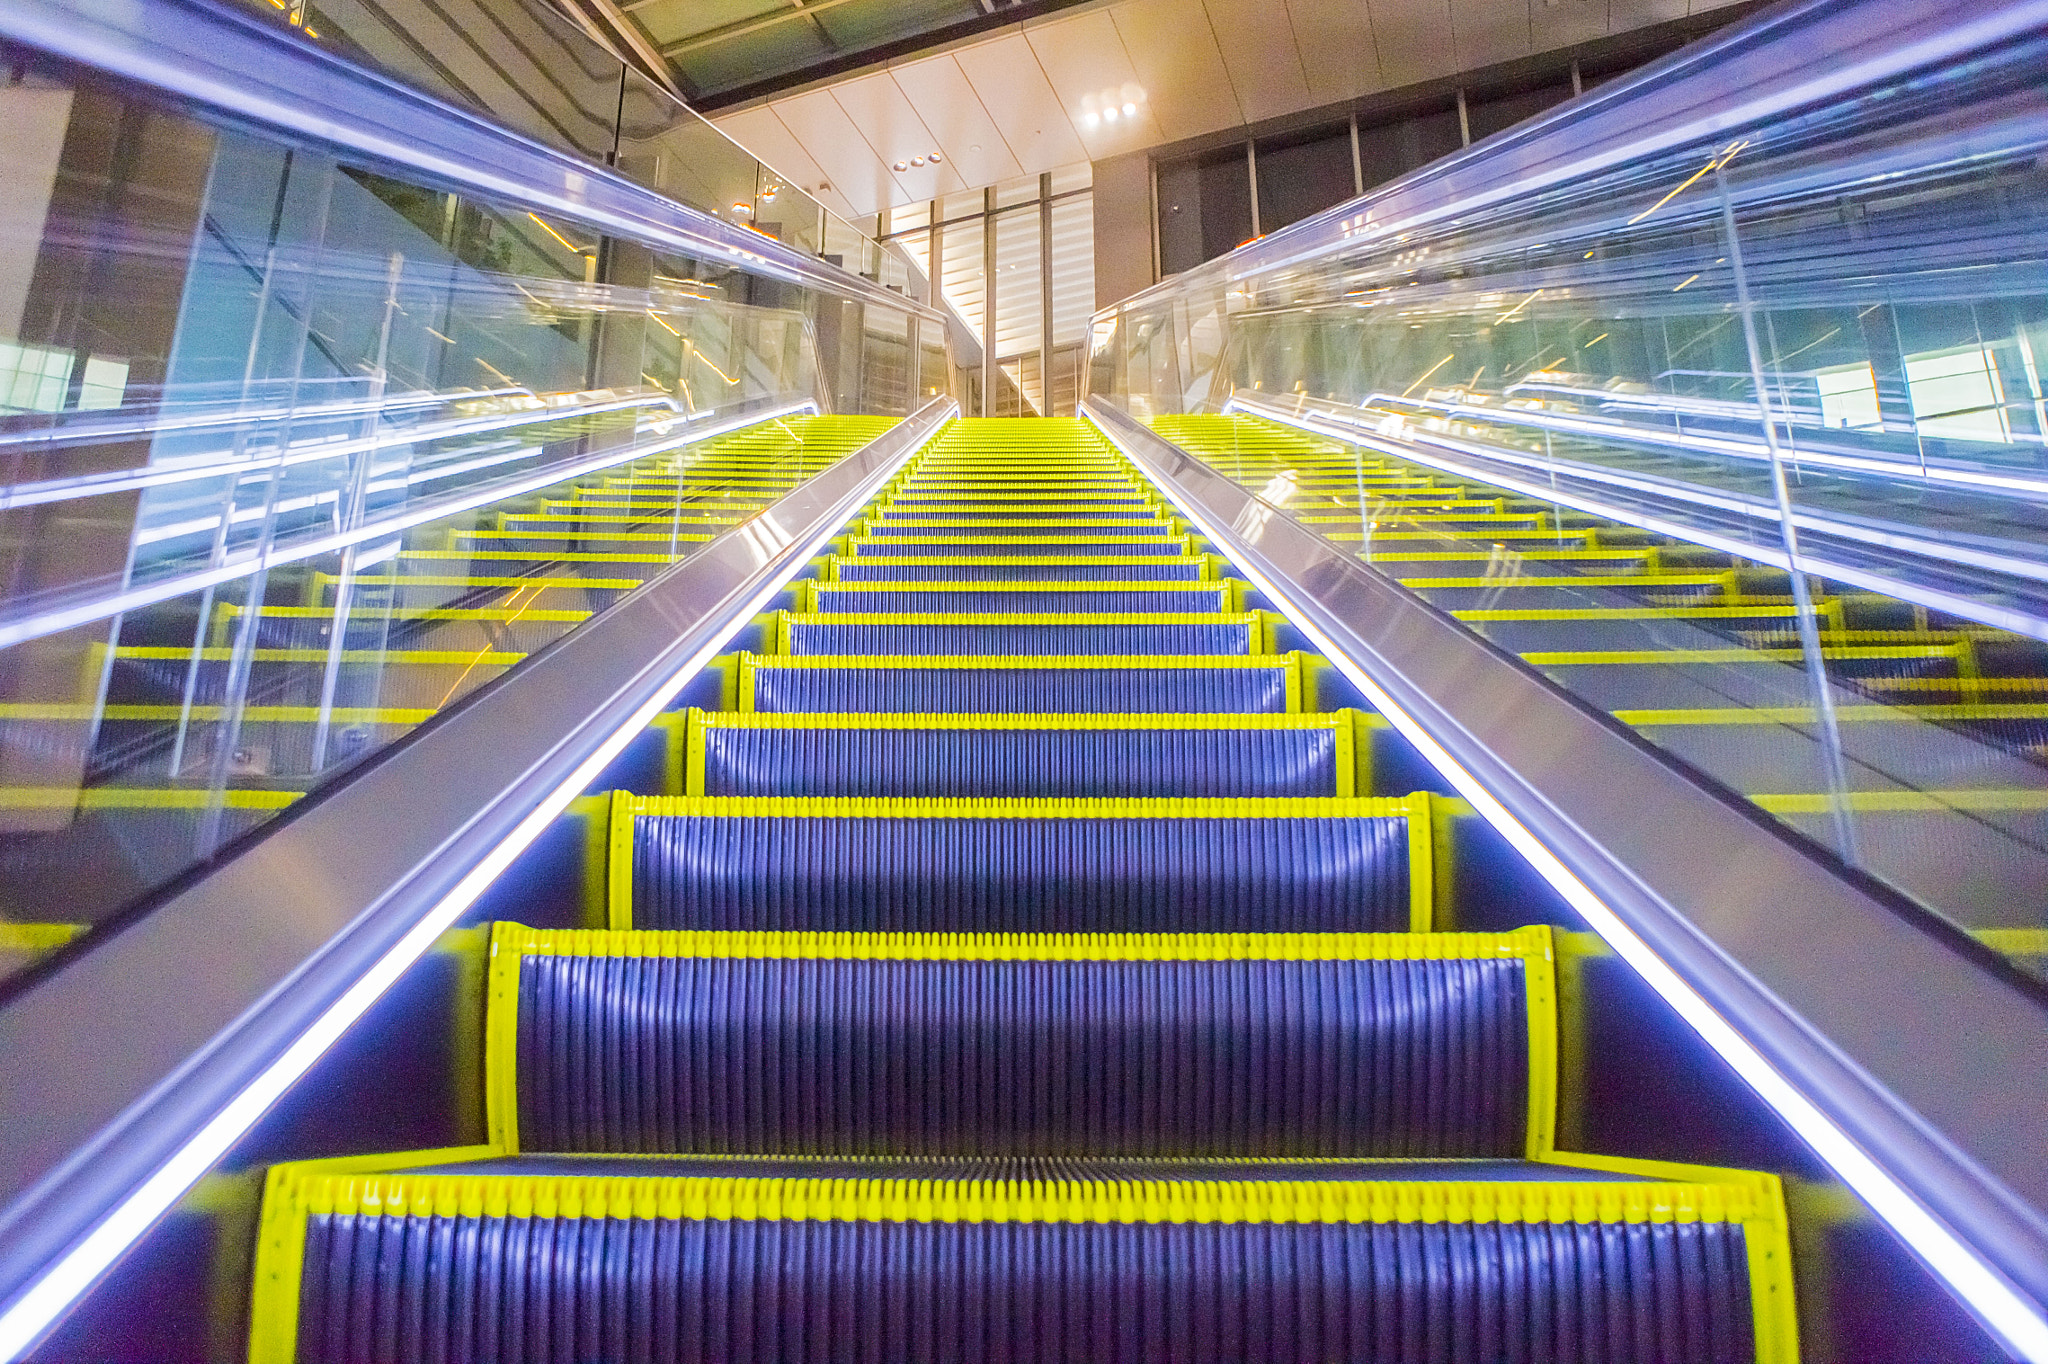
[(1047, 866), (1259, 684), (768, 1271), (1010, 546), (1288, 1046), (1017, 635), (938, 569), (1010, 599), (932, 755)]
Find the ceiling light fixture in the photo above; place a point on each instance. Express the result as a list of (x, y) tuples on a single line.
[(1130, 108), (934, 157), (903, 165), (917, 161), (1109, 114)]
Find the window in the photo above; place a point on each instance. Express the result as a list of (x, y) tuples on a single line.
[(1303, 175), (1205, 208)]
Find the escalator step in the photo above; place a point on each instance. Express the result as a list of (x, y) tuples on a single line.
[(1044, 866), (1082, 529), (1258, 684), (734, 1271), (730, 754), (992, 502), (1006, 546), (1402, 1045), (899, 509), (1020, 635), (939, 569), (1011, 598)]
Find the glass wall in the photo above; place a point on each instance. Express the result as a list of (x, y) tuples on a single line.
[(1739, 438), (299, 452), (1015, 265), (523, 64), (1212, 196)]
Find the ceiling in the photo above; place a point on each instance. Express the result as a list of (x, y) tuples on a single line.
[(726, 51), (1037, 94)]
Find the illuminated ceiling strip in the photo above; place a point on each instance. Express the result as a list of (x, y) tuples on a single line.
[(2015, 1317), (70, 617), (34, 1311)]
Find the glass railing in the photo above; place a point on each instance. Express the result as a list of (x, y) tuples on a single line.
[(297, 451), (1715, 395), (525, 65)]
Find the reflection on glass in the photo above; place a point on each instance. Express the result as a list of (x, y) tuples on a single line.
[(1741, 442), (526, 66), (298, 455)]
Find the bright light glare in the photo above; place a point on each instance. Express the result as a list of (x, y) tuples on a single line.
[(1130, 109), (1109, 114), (2005, 1310), (32, 1313)]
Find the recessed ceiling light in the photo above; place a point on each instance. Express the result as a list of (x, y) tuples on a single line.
[(902, 165), (1109, 115), (1089, 120), (1131, 108), (917, 161), (934, 157)]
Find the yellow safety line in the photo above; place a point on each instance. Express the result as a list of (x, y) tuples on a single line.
[(1804, 715), (1906, 802), (137, 798)]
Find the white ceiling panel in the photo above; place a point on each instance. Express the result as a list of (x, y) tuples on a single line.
[(820, 123), (939, 90), (1005, 73), (1414, 39), (1174, 52), (1490, 31), (766, 139), (1338, 56), (885, 118), (1084, 58), (1258, 47)]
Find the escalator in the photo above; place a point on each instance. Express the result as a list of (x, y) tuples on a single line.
[(1939, 718), (1027, 960), (188, 744)]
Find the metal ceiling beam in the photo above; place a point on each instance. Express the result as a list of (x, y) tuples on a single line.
[(619, 34), (712, 37), (861, 58)]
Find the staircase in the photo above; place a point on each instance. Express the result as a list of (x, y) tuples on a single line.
[(1024, 967)]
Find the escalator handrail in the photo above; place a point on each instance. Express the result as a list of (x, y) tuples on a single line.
[(1763, 945), (130, 1069), (1792, 58), (215, 59), (1721, 517)]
